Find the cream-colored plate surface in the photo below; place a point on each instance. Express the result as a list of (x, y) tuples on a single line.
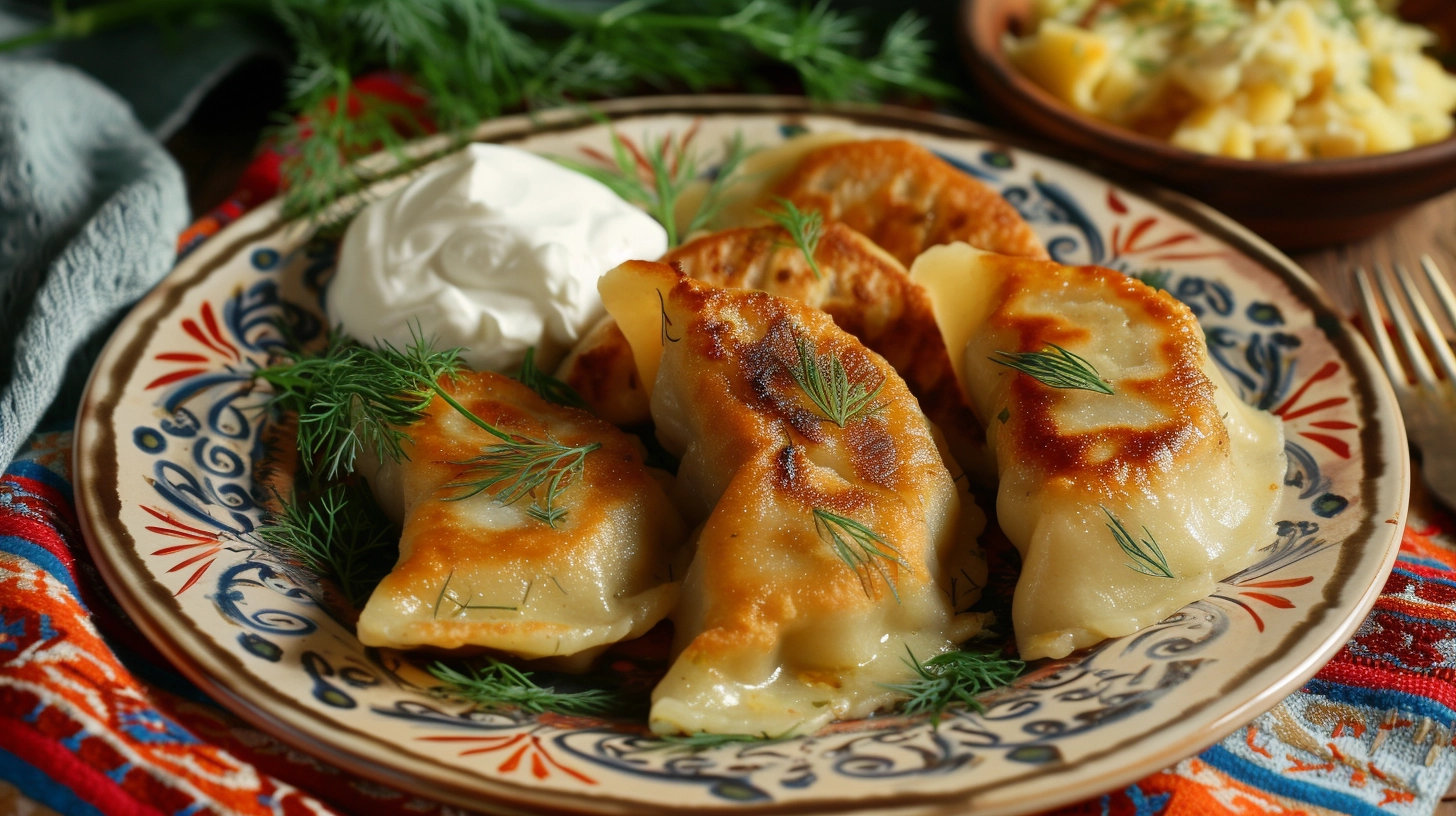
[(170, 427)]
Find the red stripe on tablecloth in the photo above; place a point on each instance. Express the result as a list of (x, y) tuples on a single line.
[(41, 531), (1352, 673), (66, 770)]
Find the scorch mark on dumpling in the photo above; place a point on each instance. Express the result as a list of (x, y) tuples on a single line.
[(825, 548), (906, 199), (866, 292), (1127, 502)]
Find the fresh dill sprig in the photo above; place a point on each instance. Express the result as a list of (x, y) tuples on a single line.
[(550, 388), (704, 741), (349, 397), (461, 607), (471, 60), (1057, 368), (954, 677), (517, 467), (518, 464), (500, 685), (1147, 556), (825, 382), (715, 197), (805, 228), (340, 533), (328, 137), (858, 547), (656, 176)]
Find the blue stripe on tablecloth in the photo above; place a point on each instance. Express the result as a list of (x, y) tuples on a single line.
[(41, 557), (1381, 699), (1257, 776)]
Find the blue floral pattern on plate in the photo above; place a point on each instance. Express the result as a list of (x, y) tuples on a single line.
[(193, 421)]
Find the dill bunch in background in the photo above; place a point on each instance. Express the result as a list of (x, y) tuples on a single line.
[(475, 59)]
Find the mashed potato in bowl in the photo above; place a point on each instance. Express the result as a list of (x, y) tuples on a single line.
[(1255, 79)]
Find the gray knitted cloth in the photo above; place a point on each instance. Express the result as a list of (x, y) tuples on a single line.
[(90, 209)]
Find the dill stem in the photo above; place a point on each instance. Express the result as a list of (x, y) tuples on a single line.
[(615, 17), (81, 23), (468, 414)]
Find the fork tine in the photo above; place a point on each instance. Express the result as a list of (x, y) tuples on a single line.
[(1370, 310), (1405, 331), (1428, 322), (1441, 288)]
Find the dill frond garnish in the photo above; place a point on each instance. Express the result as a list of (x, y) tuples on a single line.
[(825, 382), (656, 176), (1147, 556), (472, 60), (1057, 368), (340, 533), (350, 396), (954, 677), (716, 196), (500, 685), (461, 607), (805, 228), (517, 467), (551, 389), (859, 547)]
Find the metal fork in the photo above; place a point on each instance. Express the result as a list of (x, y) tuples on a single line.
[(1429, 404)]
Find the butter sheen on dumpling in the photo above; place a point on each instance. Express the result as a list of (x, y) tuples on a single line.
[(477, 573), (1172, 463), (775, 634)]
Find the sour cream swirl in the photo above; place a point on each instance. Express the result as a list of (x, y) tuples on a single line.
[(493, 249)]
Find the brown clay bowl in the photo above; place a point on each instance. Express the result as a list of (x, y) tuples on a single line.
[(1294, 205)]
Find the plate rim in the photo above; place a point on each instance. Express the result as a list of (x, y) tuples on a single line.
[(258, 706)]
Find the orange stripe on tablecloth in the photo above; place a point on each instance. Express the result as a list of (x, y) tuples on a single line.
[(1430, 610), (1423, 547), (1196, 788)]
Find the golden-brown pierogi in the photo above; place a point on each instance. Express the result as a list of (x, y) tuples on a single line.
[(474, 571), (830, 524), (867, 293), (1130, 498), (906, 199)]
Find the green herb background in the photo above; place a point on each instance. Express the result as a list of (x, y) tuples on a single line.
[(477, 59)]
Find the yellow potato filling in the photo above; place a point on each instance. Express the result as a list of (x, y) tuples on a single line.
[(1281, 80)]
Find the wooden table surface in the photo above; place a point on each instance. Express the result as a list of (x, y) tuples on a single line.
[(1428, 230)]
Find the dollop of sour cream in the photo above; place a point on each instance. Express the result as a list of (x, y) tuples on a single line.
[(492, 249)]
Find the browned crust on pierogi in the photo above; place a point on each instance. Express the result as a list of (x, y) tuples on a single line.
[(906, 199)]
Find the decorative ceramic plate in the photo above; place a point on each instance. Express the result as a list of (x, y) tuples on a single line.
[(171, 426)]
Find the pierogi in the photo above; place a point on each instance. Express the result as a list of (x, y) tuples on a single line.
[(1130, 496), (862, 288), (904, 198), (475, 572), (829, 527)]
